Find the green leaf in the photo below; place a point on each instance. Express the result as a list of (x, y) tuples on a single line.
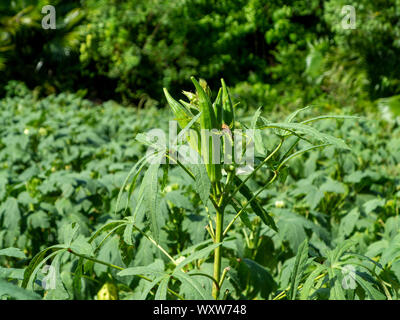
[(244, 217), (392, 252), (150, 286), (77, 280), (298, 269), (134, 271), (12, 273), (259, 277), (154, 269), (306, 290), (336, 292), (81, 245), (202, 183), (36, 262), (128, 231), (366, 259), (69, 232), (39, 219), (314, 63), (182, 115), (193, 248), (148, 140), (333, 186), (13, 291), (255, 205), (11, 214), (135, 171), (288, 119), (342, 117), (150, 189), (12, 252), (301, 129), (106, 227), (194, 225), (59, 292), (349, 221), (314, 196), (335, 255), (368, 287), (292, 227), (203, 253), (179, 200), (161, 293), (195, 288), (300, 152), (357, 176), (258, 144), (371, 205)]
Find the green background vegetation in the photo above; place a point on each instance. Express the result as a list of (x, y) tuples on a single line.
[(73, 99), (127, 50)]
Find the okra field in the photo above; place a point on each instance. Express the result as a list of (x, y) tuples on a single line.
[(260, 164)]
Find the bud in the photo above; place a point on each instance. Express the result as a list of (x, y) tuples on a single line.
[(279, 204)]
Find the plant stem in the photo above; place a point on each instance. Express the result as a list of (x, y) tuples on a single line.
[(227, 188), (224, 272), (207, 276), (211, 232), (256, 169), (156, 244), (218, 237), (95, 260), (248, 202), (218, 250), (284, 293), (118, 268)]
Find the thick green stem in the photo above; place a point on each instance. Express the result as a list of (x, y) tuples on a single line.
[(219, 225), (218, 202), (218, 251)]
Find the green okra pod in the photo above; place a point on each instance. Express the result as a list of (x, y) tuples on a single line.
[(209, 146), (218, 109), (191, 96), (227, 105), (193, 108), (182, 114), (207, 118), (205, 87)]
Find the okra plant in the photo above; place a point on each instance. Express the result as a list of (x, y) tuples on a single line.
[(210, 129), (219, 143)]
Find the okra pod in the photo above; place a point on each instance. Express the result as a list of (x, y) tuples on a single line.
[(193, 108), (227, 105), (183, 115), (208, 122), (218, 109)]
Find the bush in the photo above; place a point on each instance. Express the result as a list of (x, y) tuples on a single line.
[(375, 41)]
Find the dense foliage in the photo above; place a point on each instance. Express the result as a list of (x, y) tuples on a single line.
[(63, 162), (126, 50), (85, 215)]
